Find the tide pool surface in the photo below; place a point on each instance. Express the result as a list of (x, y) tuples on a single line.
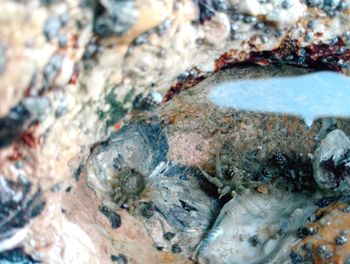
[(310, 96)]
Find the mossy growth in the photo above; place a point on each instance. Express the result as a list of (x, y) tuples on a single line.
[(116, 111)]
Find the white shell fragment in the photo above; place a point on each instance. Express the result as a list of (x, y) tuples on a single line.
[(256, 228), (331, 162)]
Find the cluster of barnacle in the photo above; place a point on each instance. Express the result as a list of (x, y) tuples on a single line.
[(330, 7), (256, 24)]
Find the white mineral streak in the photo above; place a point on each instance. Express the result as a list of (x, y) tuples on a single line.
[(75, 245), (65, 73), (14, 240), (272, 11), (78, 244)]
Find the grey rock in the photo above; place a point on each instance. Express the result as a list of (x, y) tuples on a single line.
[(114, 17), (52, 26)]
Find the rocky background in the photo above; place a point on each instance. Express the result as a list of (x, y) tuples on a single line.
[(85, 81)]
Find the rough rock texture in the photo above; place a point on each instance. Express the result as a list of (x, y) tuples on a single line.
[(328, 242), (49, 53), (237, 133)]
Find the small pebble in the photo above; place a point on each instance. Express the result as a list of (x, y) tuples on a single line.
[(308, 36), (176, 249), (313, 3), (264, 39), (341, 240), (342, 6), (159, 248), (237, 17), (64, 18), (120, 259), (249, 19), (321, 248), (234, 27), (169, 235), (62, 41), (255, 241), (286, 4), (328, 255), (312, 24), (262, 189), (259, 25), (344, 232), (334, 41), (52, 26), (346, 209)]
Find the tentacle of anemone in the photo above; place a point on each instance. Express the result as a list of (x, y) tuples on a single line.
[(218, 166), (130, 204), (225, 190), (149, 193), (118, 189), (121, 201), (118, 195), (213, 180)]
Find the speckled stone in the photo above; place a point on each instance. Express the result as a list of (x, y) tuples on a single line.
[(196, 128)]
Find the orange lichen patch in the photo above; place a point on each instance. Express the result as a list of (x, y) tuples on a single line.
[(332, 222), (191, 148)]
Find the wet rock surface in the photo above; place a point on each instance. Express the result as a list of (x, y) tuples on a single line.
[(81, 69), (263, 159)]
